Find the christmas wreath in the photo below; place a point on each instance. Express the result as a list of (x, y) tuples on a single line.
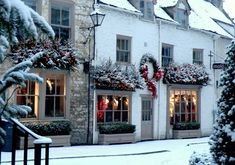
[(144, 71)]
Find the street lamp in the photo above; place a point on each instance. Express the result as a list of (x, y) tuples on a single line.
[(97, 18)]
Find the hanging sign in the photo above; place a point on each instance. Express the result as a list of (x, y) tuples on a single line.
[(219, 66)]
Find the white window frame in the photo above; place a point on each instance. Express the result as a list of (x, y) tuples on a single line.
[(41, 88), (113, 110), (120, 51), (167, 54), (191, 112), (198, 56)]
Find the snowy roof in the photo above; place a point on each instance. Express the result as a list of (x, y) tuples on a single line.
[(203, 15), (167, 3), (124, 4)]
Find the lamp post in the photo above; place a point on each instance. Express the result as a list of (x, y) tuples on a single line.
[(97, 18)]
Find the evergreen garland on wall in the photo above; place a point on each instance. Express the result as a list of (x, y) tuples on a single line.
[(55, 55), (191, 74), (148, 59), (117, 77)]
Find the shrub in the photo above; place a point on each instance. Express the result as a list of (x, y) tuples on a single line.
[(200, 159), (116, 128), (49, 128), (186, 126)]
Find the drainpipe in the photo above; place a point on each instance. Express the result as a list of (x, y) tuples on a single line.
[(159, 84)]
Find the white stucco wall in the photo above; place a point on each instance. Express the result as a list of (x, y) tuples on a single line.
[(146, 38)]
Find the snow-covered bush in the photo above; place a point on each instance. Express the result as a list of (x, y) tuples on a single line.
[(200, 159), (186, 74), (222, 140), (116, 76), (17, 21)]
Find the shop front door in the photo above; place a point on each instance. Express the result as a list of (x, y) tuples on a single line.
[(147, 119)]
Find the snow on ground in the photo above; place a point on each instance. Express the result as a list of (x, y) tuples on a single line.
[(158, 152)]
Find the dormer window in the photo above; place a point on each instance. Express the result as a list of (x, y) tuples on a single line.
[(181, 15), (146, 7)]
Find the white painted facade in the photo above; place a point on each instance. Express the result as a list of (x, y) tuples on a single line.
[(147, 37)]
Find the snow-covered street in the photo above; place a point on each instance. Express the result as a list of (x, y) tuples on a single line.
[(159, 152)]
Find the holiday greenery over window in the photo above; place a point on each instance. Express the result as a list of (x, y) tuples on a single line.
[(157, 73), (55, 55), (192, 74), (117, 77)]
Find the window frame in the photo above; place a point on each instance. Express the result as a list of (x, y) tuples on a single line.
[(129, 41), (113, 94), (197, 53), (170, 57), (42, 93), (57, 4), (181, 88), (147, 9)]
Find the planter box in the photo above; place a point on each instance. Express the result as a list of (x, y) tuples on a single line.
[(181, 134), (116, 138), (59, 140)]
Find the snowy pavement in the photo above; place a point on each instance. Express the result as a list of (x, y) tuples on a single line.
[(158, 152)]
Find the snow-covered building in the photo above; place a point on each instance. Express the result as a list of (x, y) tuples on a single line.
[(63, 94), (170, 31), (137, 41)]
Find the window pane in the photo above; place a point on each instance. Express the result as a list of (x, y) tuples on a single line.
[(109, 116), (65, 17), (59, 106), (55, 96), (50, 106), (55, 16), (64, 34), (28, 96)]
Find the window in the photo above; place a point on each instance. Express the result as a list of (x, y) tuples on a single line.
[(198, 56), (55, 96), (52, 94), (183, 106), (29, 96), (146, 7), (61, 22), (181, 15), (167, 55), (123, 49), (31, 3), (112, 108)]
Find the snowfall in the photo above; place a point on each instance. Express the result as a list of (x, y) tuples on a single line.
[(157, 152)]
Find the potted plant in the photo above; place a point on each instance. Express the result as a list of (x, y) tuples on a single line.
[(116, 133), (186, 130), (58, 131)]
